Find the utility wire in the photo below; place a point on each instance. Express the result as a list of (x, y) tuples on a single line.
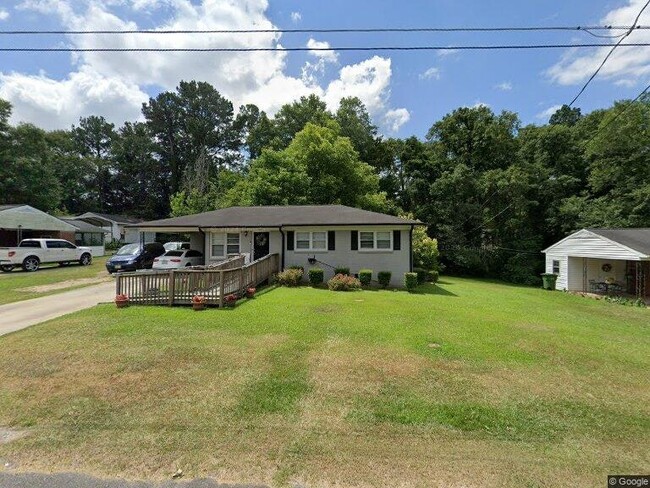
[(311, 49), (629, 31), (349, 30)]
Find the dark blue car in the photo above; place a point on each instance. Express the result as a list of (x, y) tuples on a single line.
[(134, 256)]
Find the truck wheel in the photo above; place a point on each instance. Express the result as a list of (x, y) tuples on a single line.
[(6, 268), (31, 263), (86, 259)]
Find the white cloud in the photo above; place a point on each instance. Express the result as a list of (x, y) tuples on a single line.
[(296, 17), (445, 53), (546, 114), (432, 73), (627, 63), (504, 86), (328, 56), (4, 14), (396, 118), (115, 84)]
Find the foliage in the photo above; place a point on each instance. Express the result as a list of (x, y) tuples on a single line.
[(365, 276), (411, 281), (432, 276), (342, 282), (637, 302), (316, 276), (200, 299), (425, 249), (344, 270), (421, 274), (289, 277), (383, 277)]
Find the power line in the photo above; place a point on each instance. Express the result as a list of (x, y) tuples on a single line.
[(629, 31), (320, 31), (311, 49)]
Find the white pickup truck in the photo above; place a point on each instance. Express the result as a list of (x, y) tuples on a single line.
[(31, 253)]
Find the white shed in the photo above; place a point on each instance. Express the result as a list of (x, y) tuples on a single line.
[(602, 261)]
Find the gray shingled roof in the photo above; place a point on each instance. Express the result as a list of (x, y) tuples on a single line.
[(10, 205), (276, 216), (120, 219), (637, 239), (83, 226)]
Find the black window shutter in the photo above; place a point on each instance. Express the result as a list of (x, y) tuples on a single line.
[(331, 240), (354, 240), (397, 240), (289, 240)]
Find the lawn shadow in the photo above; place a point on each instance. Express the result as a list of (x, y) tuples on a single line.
[(433, 289)]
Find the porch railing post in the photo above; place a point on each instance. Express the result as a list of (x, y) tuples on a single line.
[(172, 287), (220, 288)]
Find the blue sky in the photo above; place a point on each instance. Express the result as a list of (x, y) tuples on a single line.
[(404, 91)]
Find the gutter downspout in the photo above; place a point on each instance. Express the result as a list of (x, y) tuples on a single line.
[(411, 249), (282, 250)]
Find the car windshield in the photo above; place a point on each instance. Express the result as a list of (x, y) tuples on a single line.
[(128, 250)]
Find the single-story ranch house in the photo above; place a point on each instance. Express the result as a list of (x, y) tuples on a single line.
[(602, 261), (324, 236)]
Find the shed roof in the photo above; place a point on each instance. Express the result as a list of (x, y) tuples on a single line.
[(277, 216), (120, 219), (637, 239), (26, 217)]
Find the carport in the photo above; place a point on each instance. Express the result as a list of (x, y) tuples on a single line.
[(18, 222)]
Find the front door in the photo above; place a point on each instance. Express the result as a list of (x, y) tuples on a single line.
[(260, 245)]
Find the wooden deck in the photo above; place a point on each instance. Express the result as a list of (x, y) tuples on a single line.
[(177, 287)]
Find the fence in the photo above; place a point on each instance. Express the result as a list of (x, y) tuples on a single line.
[(177, 287)]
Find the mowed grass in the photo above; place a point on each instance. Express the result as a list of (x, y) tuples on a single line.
[(14, 286), (468, 383)]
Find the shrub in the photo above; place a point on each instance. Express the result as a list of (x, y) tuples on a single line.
[(411, 281), (384, 278), (341, 282), (422, 275), (365, 276), (316, 276), (432, 276), (297, 266), (290, 277), (342, 270)]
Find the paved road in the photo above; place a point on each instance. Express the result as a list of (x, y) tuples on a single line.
[(69, 480), (16, 316)]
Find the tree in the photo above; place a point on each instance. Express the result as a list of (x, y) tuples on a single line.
[(566, 115), (294, 117), (318, 167)]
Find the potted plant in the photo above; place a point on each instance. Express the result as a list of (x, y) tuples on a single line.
[(231, 300), (250, 292), (198, 302), (121, 300)]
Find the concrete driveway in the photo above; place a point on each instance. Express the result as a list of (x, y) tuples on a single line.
[(18, 315)]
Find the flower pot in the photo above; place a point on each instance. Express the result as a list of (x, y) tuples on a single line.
[(122, 303), (198, 306)]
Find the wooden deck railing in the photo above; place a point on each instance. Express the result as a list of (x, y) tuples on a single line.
[(177, 287)]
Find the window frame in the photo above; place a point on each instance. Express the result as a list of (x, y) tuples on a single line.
[(374, 247), (553, 266), (311, 247), (223, 237)]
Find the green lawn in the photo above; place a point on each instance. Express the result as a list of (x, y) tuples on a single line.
[(50, 278), (469, 383)]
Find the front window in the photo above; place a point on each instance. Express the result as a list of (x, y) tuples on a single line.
[(375, 240), (311, 241), (556, 267), (225, 244)]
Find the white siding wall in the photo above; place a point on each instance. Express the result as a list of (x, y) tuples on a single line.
[(588, 245), (562, 279), (575, 273)]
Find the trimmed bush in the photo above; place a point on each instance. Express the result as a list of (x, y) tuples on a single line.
[(365, 276), (422, 275), (411, 281), (341, 282), (316, 276), (384, 278), (297, 266), (343, 271), (432, 276), (290, 277)]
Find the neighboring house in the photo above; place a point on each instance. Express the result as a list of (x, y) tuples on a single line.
[(115, 226), (18, 222), (87, 235), (602, 260), (333, 235)]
